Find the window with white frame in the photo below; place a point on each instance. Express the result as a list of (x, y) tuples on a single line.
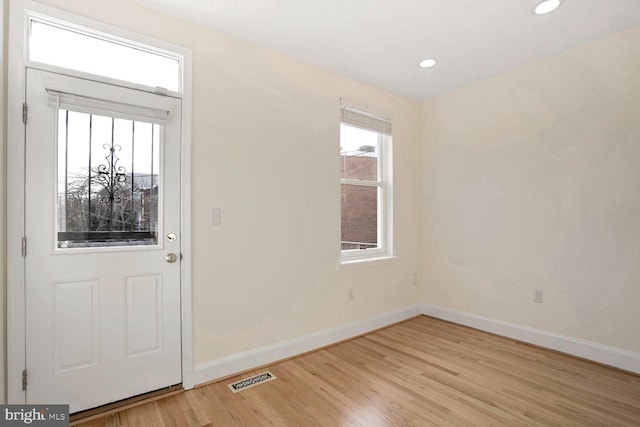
[(66, 45), (365, 174)]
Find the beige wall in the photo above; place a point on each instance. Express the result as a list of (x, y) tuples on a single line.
[(532, 181), (266, 151), (529, 181)]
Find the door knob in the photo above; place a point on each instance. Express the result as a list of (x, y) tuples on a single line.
[(171, 258)]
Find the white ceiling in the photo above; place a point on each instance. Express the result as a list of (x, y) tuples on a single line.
[(380, 42)]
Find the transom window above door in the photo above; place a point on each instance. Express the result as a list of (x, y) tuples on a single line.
[(76, 48)]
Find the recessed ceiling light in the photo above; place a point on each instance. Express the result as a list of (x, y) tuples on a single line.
[(546, 6), (427, 63)]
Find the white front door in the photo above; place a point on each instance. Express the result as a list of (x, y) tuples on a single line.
[(103, 244)]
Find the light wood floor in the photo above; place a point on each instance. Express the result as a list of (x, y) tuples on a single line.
[(421, 372)]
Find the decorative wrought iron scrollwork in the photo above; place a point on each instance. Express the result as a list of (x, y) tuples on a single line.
[(110, 175)]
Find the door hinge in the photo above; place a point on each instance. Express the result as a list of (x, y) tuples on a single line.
[(24, 246), (24, 113), (24, 380)]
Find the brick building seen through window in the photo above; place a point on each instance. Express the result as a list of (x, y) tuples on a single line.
[(359, 203)]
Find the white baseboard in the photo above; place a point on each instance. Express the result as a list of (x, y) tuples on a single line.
[(240, 362), (260, 356), (612, 356)]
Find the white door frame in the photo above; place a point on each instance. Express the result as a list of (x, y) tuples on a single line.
[(17, 62)]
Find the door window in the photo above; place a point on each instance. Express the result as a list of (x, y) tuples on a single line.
[(108, 181)]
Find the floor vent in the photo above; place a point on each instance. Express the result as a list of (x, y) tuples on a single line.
[(251, 381)]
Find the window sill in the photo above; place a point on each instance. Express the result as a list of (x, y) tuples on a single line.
[(347, 264)]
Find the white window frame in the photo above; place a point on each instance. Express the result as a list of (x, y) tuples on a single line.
[(382, 127), (115, 36), (20, 14)]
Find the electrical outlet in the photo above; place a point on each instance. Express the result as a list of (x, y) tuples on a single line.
[(350, 295), (414, 278), (537, 296)]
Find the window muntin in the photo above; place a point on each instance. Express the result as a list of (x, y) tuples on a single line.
[(81, 50), (365, 152)]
